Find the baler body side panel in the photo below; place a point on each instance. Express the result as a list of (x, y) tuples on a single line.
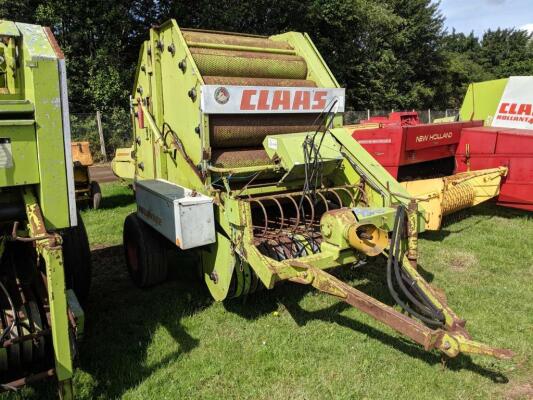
[(43, 89), (482, 99)]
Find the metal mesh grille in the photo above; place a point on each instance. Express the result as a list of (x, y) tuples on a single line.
[(251, 130), (244, 81), (235, 158), (249, 64)]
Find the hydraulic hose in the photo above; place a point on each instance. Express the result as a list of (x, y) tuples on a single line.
[(435, 320), (425, 306)]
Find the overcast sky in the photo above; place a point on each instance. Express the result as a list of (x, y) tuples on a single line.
[(481, 15)]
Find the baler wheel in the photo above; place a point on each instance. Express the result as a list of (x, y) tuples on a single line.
[(77, 260), (145, 252), (96, 195)]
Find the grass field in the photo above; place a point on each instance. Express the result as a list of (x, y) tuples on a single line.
[(173, 342)]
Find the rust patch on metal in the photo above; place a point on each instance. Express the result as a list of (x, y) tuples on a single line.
[(53, 43)]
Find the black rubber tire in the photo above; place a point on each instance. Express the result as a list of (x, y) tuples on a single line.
[(96, 195), (77, 260), (145, 251)]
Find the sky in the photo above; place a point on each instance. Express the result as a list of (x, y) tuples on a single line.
[(480, 15)]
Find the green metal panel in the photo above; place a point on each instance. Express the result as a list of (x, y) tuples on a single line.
[(40, 143), (24, 168), (144, 168), (181, 111), (482, 99), (16, 107), (9, 28), (317, 69), (36, 43), (288, 148), (43, 90)]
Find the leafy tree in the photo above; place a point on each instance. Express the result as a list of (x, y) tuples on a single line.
[(507, 52), (389, 53)]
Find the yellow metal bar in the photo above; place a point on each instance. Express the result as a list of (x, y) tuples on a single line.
[(451, 343)]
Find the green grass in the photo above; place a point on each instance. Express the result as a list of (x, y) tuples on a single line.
[(173, 342)]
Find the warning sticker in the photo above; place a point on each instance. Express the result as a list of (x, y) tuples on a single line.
[(6, 157)]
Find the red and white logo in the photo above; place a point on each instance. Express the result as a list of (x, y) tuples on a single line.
[(520, 112), (221, 95), (516, 105), (434, 137), (267, 100)]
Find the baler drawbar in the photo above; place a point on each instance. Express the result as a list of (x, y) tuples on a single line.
[(240, 160)]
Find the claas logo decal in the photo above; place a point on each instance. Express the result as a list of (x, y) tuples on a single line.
[(274, 100), (268, 100), (520, 112)]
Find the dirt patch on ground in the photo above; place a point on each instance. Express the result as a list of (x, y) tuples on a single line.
[(460, 260), (523, 391)]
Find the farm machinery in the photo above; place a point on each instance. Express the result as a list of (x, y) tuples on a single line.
[(506, 107), (44, 253), (489, 146), (87, 190), (241, 161)]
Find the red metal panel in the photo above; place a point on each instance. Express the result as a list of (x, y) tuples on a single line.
[(482, 140), (384, 144), (427, 154), (494, 147), (430, 135), (516, 196), (394, 144), (515, 141)]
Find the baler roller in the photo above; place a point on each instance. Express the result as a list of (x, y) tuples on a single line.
[(217, 62), (238, 158), (197, 38), (246, 81), (250, 131)]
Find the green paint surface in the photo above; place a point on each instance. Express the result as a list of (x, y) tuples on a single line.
[(482, 99)]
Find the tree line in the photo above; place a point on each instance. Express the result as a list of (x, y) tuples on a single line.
[(389, 54)]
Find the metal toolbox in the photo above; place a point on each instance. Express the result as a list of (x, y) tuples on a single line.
[(181, 215)]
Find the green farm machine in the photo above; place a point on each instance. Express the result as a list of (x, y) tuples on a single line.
[(241, 162), (44, 253)]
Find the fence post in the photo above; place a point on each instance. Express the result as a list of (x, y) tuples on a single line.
[(429, 115), (101, 134)]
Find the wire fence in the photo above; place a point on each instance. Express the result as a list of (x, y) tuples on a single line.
[(116, 132), (116, 127), (425, 116)]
